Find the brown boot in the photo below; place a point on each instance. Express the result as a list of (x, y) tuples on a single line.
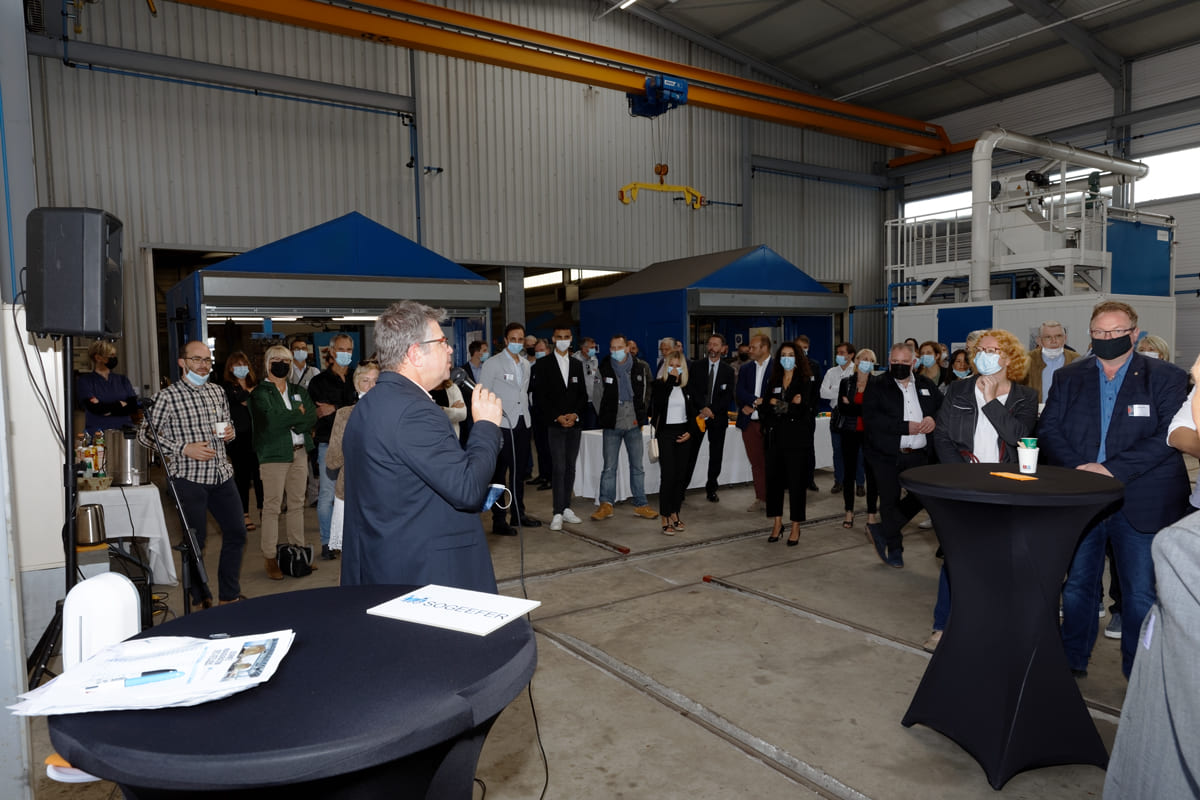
[(604, 512), (273, 571)]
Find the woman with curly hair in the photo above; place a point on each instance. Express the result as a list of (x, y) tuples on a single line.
[(981, 421)]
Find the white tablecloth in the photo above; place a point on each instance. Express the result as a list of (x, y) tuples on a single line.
[(735, 467), (145, 507)]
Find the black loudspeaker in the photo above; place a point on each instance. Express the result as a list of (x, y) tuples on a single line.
[(73, 286)]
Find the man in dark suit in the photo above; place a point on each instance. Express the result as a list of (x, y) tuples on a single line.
[(1109, 413), (751, 381), (899, 409), (413, 495), (712, 385), (560, 397)]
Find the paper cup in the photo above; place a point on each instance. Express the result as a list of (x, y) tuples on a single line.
[(1027, 457), (219, 429), (1030, 442)]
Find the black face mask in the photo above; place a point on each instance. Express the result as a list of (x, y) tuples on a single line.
[(111, 363), (900, 372), (1108, 349), (743, 356), (280, 369)]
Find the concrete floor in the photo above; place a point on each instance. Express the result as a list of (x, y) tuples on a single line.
[(785, 675)]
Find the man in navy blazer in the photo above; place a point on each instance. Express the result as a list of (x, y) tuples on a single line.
[(1108, 413), (751, 381), (711, 385), (413, 495), (560, 398)]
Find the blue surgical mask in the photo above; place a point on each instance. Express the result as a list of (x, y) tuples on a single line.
[(515, 348), (241, 371), (300, 355), (866, 366), (927, 360), (540, 354), (987, 363), (618, 356), (194, 379), (787, 362), (841, 360), (343, 359), (591, 351), (962, 373), (483, 357)]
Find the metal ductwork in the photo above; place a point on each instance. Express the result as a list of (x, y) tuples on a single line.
[(981, 180)]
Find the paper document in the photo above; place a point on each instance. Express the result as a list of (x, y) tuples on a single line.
[(160, 672), (462, 610)]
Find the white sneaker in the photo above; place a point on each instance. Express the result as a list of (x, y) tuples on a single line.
[(556, 523), (569, 517)]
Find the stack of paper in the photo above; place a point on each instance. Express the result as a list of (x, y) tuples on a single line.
[(462, 610), (160, 672)]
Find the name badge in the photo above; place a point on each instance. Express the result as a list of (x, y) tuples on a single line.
[(777, 390), (723, 386), (296, 397), (1138, 410), (508, 376), (574, 379), (925, 393), (608, 380)]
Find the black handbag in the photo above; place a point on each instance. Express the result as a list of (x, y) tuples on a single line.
[(294, 560)]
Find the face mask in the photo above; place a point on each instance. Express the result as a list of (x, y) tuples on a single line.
[(787, 362), (900, 372), (841, 360), (540, 354), (743, 356), (483, 357), (1108, 349), (300, 355), (241, 371), (343, 359), (591, 352), (280, 369), (987, 363), (111, 363), (515, 348), (562, 345), (1052, 353), (927, 360), (805, 351), (1146, 353), (866, 366), (618, 356), (194, 379), (962, 373), (360, 394)]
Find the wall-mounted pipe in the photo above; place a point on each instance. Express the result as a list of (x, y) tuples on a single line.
[(981, 183)]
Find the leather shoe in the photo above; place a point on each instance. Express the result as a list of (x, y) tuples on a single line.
[(603, 512), (837, 487), (876, 534), (528, 522), (273, 570), (538, 479), (861, 491), (502, 528), (543, 486), (894, 559), (812, 487), (712, 497)]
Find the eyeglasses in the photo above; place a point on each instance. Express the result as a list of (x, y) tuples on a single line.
[(1113, 334), (198, 361), (442, 340), (996, 351)]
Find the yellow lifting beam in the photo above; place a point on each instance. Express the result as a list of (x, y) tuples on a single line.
[(420, 26), (629, 192)]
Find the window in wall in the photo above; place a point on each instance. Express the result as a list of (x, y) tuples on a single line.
[(1171, 175)]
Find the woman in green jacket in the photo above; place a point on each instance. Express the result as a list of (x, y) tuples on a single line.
[(283, 416)]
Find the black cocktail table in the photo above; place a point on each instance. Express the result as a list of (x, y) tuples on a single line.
[(362, 706), (998, 683)]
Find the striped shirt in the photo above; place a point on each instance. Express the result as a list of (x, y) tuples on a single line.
[(182, 414)]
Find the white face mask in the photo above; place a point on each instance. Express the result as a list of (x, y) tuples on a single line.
[(1150, 353), (300, 355), (1052, 352), (562, 345)]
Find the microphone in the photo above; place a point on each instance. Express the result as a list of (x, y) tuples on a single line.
[(462, 379)]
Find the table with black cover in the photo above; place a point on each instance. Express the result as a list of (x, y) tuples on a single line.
[(998, 683), (361, 706)]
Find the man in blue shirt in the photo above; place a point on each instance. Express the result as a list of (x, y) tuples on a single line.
[(1109, 413)]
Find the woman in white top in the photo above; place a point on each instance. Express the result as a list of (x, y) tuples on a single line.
[(450, 398), (673, 413), (981, 420)]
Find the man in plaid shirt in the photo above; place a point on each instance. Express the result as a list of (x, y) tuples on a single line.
[(184, 417)]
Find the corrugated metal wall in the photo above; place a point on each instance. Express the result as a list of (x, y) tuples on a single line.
[(1164, 79)]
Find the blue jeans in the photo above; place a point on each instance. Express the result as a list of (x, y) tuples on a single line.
[(941, 609), (632, 439), (1081, 592), (325, 495), (860, 475)]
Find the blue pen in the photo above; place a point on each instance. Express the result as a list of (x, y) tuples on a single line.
[(154, 676)]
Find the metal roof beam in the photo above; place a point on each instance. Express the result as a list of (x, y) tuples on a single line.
[(1106, 61), (801, 169)]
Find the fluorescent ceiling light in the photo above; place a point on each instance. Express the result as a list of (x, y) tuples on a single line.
[(354, 319)]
